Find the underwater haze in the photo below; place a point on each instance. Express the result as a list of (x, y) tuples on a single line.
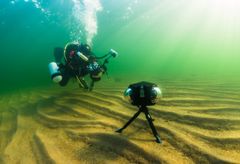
[(157, 38), (189, 48)]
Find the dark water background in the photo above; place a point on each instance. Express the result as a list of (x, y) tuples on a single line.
[(157, 38)]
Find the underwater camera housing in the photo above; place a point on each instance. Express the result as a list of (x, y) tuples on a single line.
[(143, 94)]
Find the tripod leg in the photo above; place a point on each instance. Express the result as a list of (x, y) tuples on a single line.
[(154, 131), (129, 122)]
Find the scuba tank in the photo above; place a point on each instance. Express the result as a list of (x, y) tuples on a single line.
[(83, 57), (54, 72)]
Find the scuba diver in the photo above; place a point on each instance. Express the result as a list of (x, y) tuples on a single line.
[(76, 61)]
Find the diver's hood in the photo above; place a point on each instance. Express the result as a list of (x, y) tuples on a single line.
[(85, 49)]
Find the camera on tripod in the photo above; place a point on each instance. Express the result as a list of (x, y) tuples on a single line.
[(143, 94)]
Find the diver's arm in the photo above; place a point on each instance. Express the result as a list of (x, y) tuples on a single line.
[(111, 53)]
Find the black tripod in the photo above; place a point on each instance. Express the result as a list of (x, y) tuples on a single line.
[(143, 109)]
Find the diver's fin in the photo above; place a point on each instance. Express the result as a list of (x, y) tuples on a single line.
[(58, 54)]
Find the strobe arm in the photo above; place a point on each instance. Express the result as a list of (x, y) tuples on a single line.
[(111, 53)]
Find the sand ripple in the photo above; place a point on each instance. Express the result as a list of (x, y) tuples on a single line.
[(198, 123)]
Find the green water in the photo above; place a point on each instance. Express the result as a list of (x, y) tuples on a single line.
[(157, 38)]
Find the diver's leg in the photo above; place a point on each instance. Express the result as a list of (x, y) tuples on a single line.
[(58, 54), (91, 86), (65, 79)]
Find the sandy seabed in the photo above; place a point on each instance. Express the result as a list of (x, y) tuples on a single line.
[(198, 122)]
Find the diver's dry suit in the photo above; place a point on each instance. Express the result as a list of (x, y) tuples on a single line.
[(78, 62)]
